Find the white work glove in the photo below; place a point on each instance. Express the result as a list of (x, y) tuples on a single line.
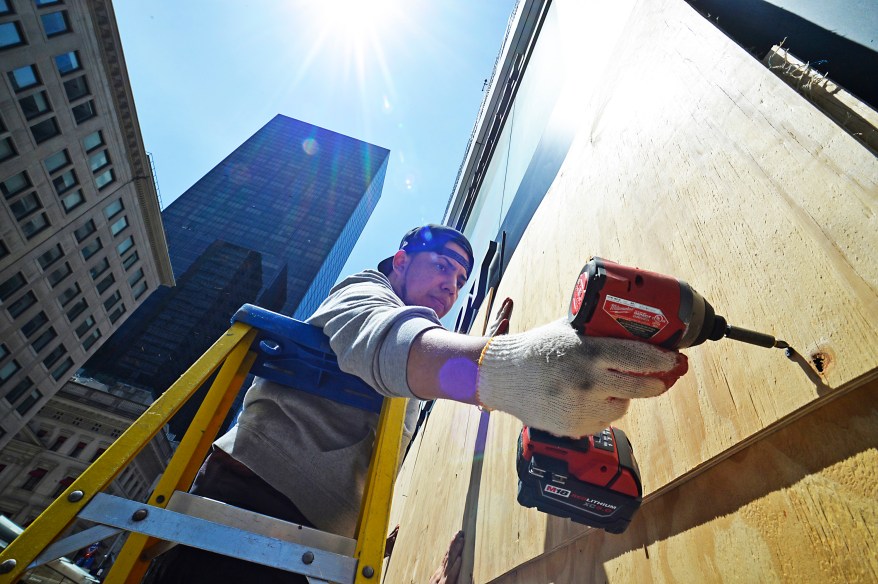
[(554, 379)]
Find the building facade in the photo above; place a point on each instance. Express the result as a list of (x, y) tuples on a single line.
[(81, 241), (272, 225), (69, 433)]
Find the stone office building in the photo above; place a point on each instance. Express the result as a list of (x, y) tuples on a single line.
[(81, 239)]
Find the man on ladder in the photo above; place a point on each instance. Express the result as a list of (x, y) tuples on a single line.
[(303, 459)]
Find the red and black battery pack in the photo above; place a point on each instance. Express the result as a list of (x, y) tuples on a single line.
[(593, 480)]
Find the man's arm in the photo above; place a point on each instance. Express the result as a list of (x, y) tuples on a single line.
[(551, 377), (444, 365)]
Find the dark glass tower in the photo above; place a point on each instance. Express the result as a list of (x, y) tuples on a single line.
[(287, 206), (297, 194)]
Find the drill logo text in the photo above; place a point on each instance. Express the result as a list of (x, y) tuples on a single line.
[(556, 491)]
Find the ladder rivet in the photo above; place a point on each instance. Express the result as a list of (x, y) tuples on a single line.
[(308, 557), (7, 566), (75, 496), (368, 571), (160, 499), (140, 515)]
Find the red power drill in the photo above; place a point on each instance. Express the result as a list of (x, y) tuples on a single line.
[(595, 480)]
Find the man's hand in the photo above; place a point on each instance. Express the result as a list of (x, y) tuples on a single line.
[(557, 380), (449, 571), (500, 326)]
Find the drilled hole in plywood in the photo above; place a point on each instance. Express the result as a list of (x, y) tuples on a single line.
[(821, 361)]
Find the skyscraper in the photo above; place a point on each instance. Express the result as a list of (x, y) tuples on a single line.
[(81, 240), (295, 195)]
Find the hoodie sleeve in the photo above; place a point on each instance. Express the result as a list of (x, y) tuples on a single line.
[(371, 330)]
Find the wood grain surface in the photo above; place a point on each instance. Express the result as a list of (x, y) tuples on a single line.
[(691, 159)]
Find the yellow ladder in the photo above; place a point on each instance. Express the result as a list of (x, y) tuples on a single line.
[(171, 515)]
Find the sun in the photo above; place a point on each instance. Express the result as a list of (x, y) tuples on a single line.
[(356, 24)]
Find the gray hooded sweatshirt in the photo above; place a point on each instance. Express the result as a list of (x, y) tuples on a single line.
[(316, 451)]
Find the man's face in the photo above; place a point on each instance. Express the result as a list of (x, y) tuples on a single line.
[(429, 278)]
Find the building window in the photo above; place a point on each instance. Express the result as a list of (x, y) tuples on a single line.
[(15, 184), (130, 260), (84, 231), (58, 443), (116, 314), (54, 355), (33, 226), (98, 160), (57, 161), (55, 23), (91, 339), (25, 205), (20, 388), (4, 351), (99, 268), (7, 149), (84, 111), (62, 486), (72, 201), (138, 290), (4, 251), (24, 78), (11, 286), (67, 63), (105, 284), (135, 277), (58, 276), (29, 328), (50, 256), (5, 9), (113, 209), (112, 300), (18, 307), (35, 105), (45, 130), (28, 402), (42, 341), (76, 309), (77, 450), (93, 140), (10, 35), (76, 88), (105, 178), (64, 181), (33, 478), (97, 454), (119, 226), (84, 326), (92, 248), (69, 294), (125, 245), (61, 369), (9, 370)]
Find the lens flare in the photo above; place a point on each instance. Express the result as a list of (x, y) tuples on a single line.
[(310, 146)]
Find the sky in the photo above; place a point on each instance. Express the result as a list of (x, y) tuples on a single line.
[(407, 75)]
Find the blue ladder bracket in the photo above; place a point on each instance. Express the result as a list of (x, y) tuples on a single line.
[(297, 355)]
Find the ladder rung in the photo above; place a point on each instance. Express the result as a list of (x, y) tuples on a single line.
[(224, 514), (222, 539)]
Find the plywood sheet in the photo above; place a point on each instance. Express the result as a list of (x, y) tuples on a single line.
[(691, 159)]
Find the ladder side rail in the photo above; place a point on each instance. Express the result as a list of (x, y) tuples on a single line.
[(130, 566), (61, 513), (378, 494)]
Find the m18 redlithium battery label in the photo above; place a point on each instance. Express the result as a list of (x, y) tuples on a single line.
[(638, 319)]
